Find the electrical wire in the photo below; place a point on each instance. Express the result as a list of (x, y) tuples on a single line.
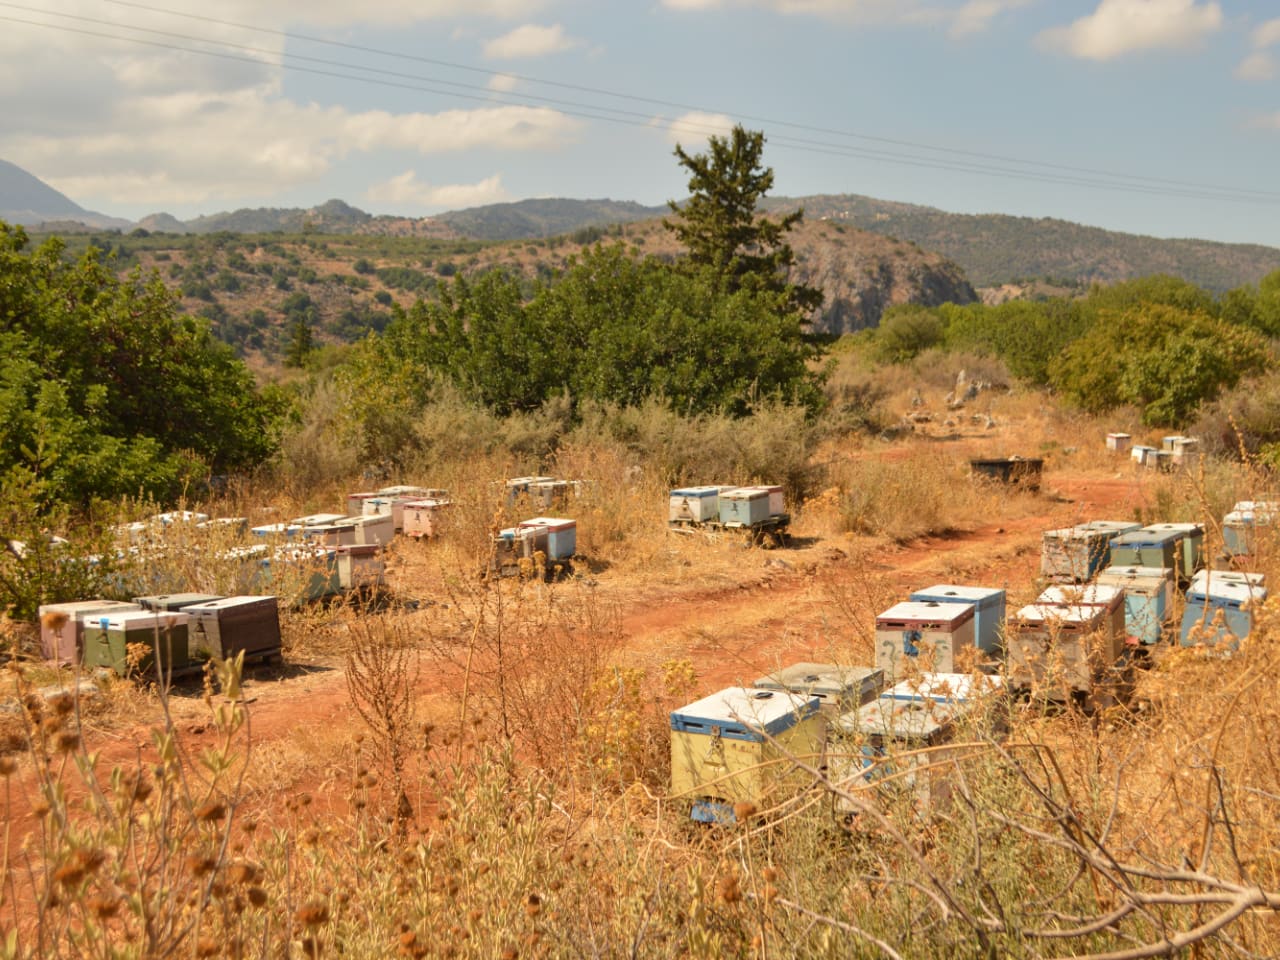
[(389, 78)]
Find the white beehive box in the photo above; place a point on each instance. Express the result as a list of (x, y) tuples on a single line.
[(1056, 651), (922, 635), (1118, 442), (694, 504), (378, 529), (945, 687), (1107, 597)]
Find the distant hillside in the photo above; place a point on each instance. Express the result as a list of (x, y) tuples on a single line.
[(995, 249), (533, 219), (29, 201)]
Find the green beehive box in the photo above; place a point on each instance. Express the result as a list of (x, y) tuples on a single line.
[(108, 639), (173, 602)]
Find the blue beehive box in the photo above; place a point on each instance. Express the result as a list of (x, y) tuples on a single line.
[(1239, 527), (1148, 548), (744, 506), (988, 604), (1219, 613), (1148, 600)]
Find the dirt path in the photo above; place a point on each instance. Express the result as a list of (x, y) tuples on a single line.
[(812, 603)]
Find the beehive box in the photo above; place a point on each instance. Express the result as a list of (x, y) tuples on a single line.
[(1140, 452), (306, 572), (226, 627), (1148, 600), (393, 505), (1159, 461), (1191, 556), (1148, 548), (378, 529), (1220, 614), (722, 745), (108, 641), (1118, 442), (336, 534), (1186, 452), (922, 635), (1057, 651), (881, 743), (65, 644), (179, 516), (694, 504), (360, 566), (1240, 527), (277, 531), (944, 687), (171, 602), (1106, 597), (403, 490), (777, 507), (1073, 554), (316, 519), (1205, 577), (549, 493), (517, 488), (744, 507), (355, 502), (988, 610), (561, 536), (422, 518), (1170, 443), (838, 688)]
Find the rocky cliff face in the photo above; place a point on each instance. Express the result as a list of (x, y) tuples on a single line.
[(862, 274)]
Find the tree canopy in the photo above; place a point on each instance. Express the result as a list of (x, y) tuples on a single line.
[(720, 225), (106, 390)]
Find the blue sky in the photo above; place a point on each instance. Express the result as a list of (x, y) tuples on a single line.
[(1151, 116)]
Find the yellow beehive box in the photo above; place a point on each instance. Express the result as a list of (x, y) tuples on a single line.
[(737, 745)]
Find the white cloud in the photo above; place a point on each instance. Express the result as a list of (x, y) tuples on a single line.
[(530, 40), (1118, 27), (1259, 65), (502, 83), (407, 190), (1267, 34), (695, 128)]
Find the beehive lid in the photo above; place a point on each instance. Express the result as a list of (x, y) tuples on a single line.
[(244, 553), (168, 601), (1074, 533), (230, 603), (179, 516), (525, 481), (961, 593), (943, 687), (358, 549), (80, 609), (826, 680), (1256, 506), (1184, 529), (429, 503), (1228, 576), (317, 519), (1114, 575), (1086, 595), (1234, 593), (224, 522), (901, 719), (745, 493), (402, 490), (696, 492), (744, 713), (141, 619), (1067, 614), (272, 529), (918, 612), (1147, 537), (551, 523), (1111, 526), (1118, 436), (301, 554)]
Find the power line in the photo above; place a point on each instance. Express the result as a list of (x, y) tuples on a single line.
[(401, 80), (676, 105)]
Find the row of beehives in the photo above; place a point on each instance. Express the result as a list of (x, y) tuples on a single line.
[(737, 746), (165, 634), (727, 506), (1149, 562), (1174, 451)]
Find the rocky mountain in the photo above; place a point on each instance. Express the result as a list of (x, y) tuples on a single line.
[(994, 249), (532, 219), (29, 201)]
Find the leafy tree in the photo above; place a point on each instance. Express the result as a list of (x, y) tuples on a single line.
[(905, 331), (719, 226), (1161, 358), (301, 343), (106, 389)]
